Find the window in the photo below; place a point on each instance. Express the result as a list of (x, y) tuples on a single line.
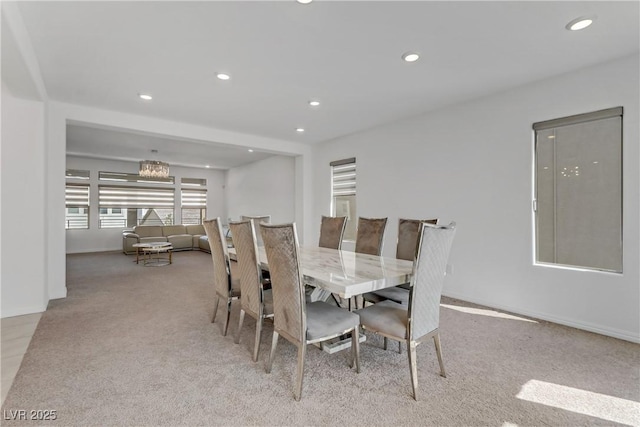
[(127, 206), (343, 194), (130, 177), (193, 201), (77, 206), (578, 191)]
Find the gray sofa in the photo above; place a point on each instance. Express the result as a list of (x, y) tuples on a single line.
[(181, 237)]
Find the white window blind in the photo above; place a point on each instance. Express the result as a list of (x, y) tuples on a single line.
[(343, 177), (135, 197), (192, 198), (77, 195)]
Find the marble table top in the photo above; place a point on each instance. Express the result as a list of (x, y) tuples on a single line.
[(346, 273)]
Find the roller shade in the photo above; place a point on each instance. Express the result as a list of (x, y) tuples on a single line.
[(343, 177), (77, 195), (136, 197)]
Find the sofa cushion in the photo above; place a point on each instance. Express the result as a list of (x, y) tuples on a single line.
[(204, 244), (181, 241), (153, 239), (196, 229), (171, 230), (149, 231)]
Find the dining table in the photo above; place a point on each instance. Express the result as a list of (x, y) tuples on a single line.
[(344, 273)]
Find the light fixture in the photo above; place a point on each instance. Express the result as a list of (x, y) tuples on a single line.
[(314, 103), (145, 96), (154, 168), (304, 1), (250, 150), (223, 76), (410, 56), (299, 130), (580, 23), (207, 166)]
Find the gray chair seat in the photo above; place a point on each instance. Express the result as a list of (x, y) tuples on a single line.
[(325, 320), (386, 317)]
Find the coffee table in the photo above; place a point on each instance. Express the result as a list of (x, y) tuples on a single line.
[(154, 248)]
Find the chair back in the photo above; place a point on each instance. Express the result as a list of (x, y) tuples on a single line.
[(244, 241), (257, 220), (289, 310), (331, 231), (219, 255), (408, 232), (428, 277), (370, 235)]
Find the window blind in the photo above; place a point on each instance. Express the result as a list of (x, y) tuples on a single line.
[(77, 195), (192, 198), (343, 177), (135, 197)]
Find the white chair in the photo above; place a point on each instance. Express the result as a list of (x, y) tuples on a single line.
[(298, 322), (257, 220), (256, 301), (420, 319), (226, 289)]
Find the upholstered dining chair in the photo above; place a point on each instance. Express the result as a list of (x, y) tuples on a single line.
[(420, 319), (331, 231), (294, 319), (226, 289), (370, 235), (257, 220), (256, 301), (408, 233)]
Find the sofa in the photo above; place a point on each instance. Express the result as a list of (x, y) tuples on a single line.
[(181, 237)]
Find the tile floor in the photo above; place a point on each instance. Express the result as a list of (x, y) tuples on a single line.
[(16, 334)]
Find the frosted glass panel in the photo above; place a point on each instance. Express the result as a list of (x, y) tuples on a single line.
[(579, 194)]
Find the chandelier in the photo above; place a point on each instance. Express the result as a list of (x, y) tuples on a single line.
[(154, 168)]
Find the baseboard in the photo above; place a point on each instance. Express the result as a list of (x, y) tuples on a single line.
[(21, 311), (610, 332), (92, 250)]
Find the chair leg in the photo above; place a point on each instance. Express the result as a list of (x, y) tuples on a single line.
[(386, 343), (399, 347), (216, 301), (237, 340), (413, 367), (256, 345), (227, 317), (436, 340), (274, 343), (302, 351), (355, 348)]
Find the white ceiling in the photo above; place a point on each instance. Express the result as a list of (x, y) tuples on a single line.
[(281, 54)]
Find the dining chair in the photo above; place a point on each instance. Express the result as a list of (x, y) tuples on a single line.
[(257, 220), (370, 235), (407, 244), (420, 319), (256, 301), (331, 231), (225, 288), (298, 322)]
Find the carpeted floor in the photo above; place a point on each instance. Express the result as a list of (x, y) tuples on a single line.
[(134, 345)]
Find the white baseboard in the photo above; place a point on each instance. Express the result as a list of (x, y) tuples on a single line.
[(21, 311), (91, 250), (610, 332)]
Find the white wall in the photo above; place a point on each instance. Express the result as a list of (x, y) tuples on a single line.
[(472, 163), (96, 239), (266, 187), (22, 226)]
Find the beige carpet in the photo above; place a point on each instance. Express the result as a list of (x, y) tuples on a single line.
[(134, 345)]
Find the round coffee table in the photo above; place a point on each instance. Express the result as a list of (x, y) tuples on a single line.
[(150, 249)]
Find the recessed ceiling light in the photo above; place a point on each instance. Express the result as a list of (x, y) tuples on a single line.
[(410, 57), (207, 166), (551, 137), (223, 76), (580, 23), (250, 150), (299, 130), (304, 1), (145, 96), (314, 103)]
